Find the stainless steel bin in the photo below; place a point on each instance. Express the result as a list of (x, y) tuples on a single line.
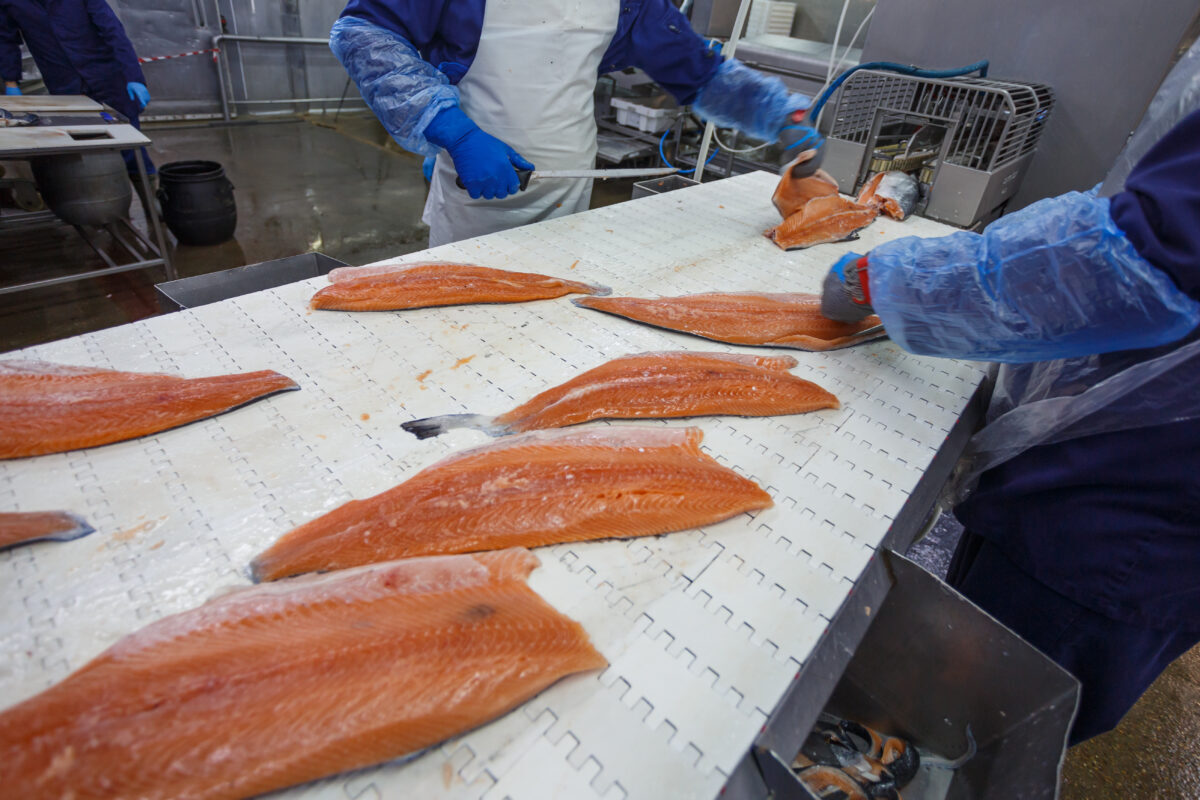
[(204, 289)]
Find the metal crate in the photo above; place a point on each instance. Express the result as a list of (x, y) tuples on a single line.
[(969, 140)]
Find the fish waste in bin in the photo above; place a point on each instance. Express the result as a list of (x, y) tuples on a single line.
[(750, 318), (276, 685), (21, 527), (438, 283), (893, 193), (53, 408), (822, 220), (653, 386), (536, 489)]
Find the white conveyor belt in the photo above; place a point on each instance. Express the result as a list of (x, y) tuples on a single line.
[(704, 630)]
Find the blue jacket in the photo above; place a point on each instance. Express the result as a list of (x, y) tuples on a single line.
[(651, 34), (1112, 520), (79, 46)]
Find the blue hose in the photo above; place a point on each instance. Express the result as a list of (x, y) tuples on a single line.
[(904, 69), (663, 155)]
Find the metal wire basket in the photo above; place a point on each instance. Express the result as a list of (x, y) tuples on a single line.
[(968, 139)]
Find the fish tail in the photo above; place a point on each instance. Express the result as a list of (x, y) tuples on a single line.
[(81, 529), (436, 426), (599, 291)]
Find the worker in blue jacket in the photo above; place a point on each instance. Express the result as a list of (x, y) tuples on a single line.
[(80, 48), (489, 88), (1083, 534)]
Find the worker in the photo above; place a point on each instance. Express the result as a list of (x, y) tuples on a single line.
[(489, 88), (1083, 534), (80, 48)]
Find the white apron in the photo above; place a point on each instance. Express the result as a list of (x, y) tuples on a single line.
[(530, 86)]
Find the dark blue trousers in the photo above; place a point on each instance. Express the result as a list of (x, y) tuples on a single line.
[(1114, 661)]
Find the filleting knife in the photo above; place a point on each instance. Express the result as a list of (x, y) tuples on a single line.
[(526, 175)]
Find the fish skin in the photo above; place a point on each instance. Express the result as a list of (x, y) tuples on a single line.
[(539, 488), (53, 408), (792, 194), (654, 386), (822, 220), (438, 283), (23, 527), (746, 318), (276, 685), (894, 193)]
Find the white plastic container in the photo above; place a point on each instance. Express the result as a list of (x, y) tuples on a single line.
[(644, 114), (770, 16)]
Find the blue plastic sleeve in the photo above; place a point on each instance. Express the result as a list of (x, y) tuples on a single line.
[(404, 90), (738, 97), (1057, 279)]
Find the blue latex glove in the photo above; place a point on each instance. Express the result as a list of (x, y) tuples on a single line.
[(139, 92), (845, 295), (486, 165), (12, 90)]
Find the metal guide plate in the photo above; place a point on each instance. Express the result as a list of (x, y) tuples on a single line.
[(704, 629)]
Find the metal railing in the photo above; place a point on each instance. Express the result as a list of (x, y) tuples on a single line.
[(225, 76)]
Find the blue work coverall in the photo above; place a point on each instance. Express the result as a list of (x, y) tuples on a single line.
[(80, 48)]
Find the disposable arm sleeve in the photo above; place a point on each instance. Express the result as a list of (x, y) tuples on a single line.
[(10, 48), (113, 32), (404, 90), (1057, 279), (738, 97)]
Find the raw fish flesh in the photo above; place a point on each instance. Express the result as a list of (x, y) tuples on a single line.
[(831, 218), (893, 193), (536, 489), (792, 194), (275, 685), (437, 284), (34, 526), (656, 385), (50, 408), (778, 320)]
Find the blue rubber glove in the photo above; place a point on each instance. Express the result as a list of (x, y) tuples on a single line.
[(139, 92), (846, 295), (486, 165), (12, 90)]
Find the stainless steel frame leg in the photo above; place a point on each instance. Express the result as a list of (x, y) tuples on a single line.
[(152, 215)]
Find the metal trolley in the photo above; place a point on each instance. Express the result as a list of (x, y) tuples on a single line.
[(967, 140)]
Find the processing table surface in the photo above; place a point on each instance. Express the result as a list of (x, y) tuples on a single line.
[(704, 629)]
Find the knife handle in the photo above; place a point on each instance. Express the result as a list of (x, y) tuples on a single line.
[(523, 175)]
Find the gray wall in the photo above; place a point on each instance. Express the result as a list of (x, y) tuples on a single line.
[(186, 86), (817, 20), (1104, 59)]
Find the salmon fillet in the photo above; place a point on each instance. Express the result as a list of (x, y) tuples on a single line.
[(832, 218), (653, 385), (50, 408), (437, 283), (792, 194), (537, 489), (31, 526), (276, 685), (779, 320)]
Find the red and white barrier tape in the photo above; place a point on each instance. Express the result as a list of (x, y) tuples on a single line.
[(212, 50)]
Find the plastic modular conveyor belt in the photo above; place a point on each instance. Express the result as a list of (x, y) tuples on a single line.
[(704, 630)]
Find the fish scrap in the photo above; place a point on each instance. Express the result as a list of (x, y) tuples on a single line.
[(657, 386), (276, 685), (23, 527), (53, 408), (748, 318), (438, 283), (894, 193), (540, 488)]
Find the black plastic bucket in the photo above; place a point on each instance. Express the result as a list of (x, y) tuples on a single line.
[(84, 188), (197, 202)]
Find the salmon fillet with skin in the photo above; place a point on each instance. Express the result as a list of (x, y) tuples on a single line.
[(423, 285), (653, 386), (537, 489), (276, 685), (751, 318), (820, 221), (792, 194), (18, 527), (51, 408)]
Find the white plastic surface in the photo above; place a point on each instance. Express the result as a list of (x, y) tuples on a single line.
[(704, 629)]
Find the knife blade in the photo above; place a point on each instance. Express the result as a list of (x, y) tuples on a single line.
[(526, 175)]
